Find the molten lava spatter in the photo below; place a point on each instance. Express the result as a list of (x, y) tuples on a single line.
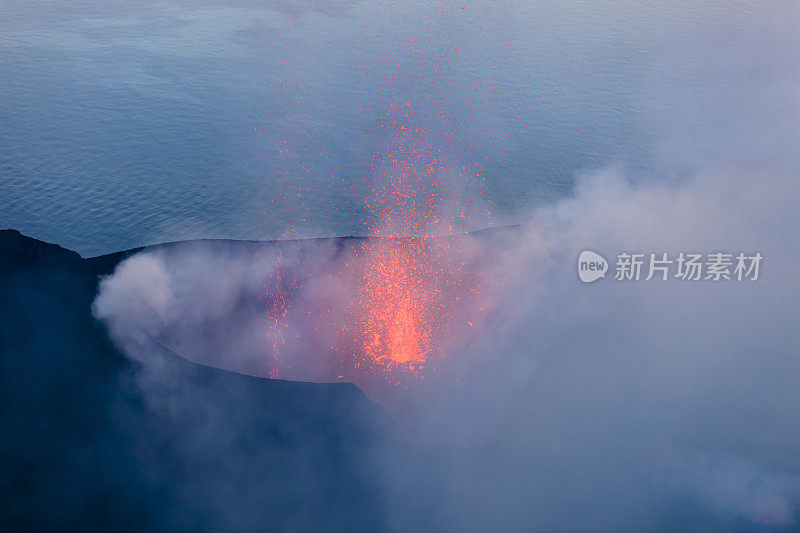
[(407, 295), (396, 322)]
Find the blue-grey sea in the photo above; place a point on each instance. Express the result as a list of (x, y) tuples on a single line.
[(135, 122)]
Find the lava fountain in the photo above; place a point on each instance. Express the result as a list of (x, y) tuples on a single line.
[(401, 299), (412, 273)]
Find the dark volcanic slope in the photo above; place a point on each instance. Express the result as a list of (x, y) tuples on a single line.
[(83, 447)]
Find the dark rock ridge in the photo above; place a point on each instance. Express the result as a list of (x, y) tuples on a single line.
[(88, 441)]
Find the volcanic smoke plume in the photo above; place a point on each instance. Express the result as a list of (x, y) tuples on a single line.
[(637, 404), (614, 399)]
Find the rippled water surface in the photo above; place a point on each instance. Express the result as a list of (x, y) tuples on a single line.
[(127, 123)]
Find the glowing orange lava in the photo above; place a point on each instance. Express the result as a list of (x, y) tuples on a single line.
[(404, 285), (396, 323)]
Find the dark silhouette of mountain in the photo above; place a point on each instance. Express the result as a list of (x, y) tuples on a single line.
[(82, 447)]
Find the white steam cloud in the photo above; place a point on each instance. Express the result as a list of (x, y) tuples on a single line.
[(628, 404)]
